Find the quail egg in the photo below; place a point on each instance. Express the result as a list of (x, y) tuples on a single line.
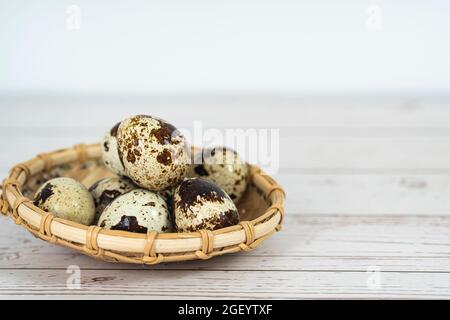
[(201, 204), (106, 190), (154, 152), (110, 153), (137, 211), (224, 167), (67, 199)]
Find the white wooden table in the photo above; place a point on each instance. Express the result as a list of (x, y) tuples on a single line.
[(368, 201)]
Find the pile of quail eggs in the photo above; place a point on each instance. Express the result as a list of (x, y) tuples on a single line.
[(157, 186)]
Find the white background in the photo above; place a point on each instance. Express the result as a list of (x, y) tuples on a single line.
[(225, 47)]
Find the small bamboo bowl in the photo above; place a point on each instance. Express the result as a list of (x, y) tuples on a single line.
[(261, 209)]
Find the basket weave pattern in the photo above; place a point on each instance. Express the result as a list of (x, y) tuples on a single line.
[(127, 247)]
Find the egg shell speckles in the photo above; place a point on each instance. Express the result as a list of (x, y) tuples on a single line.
[(106, 190), (200, 204), (225, 168), (154, 153), (67, 199), (110, 152), (137, 211)]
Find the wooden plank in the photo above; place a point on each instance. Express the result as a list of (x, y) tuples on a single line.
[(165, 284), (307, 243), (315, 134), (385, 193), (372, 153), (39, 112), (302, 130), (352, 153)]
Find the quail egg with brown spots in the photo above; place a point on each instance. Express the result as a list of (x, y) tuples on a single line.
[(154, 153), (201, 204), (110, 153), (106, 190), (138, 211), (224, 167), (67, 199)]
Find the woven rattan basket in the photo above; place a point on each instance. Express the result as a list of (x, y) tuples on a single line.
[(261, 210)]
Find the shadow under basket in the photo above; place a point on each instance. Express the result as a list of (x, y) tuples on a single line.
[(261, 210)]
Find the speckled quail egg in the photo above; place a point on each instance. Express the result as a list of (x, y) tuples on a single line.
[(224, 167), (110, 153), (67, 199), (154, 153), (106, 190), (201, 204), (137, 211)]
